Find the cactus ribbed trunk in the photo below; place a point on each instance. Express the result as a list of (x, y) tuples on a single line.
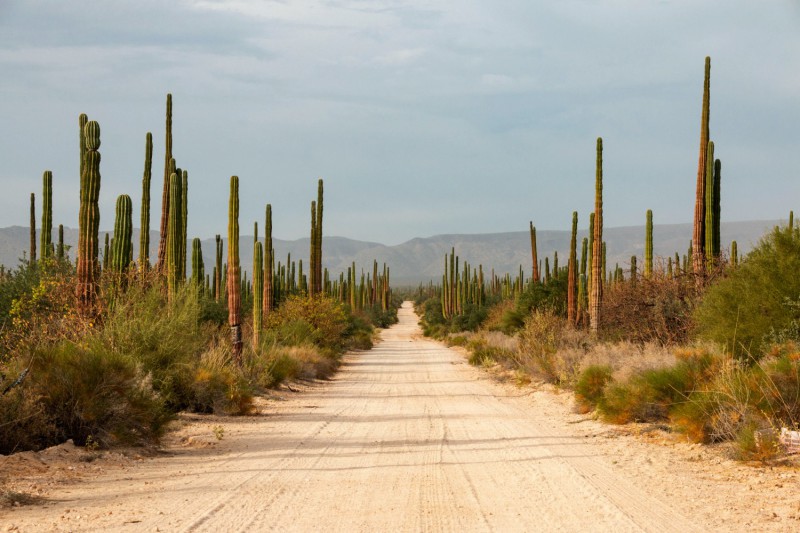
[(734, 254), (258, 292), (534, 255), (313, 247), (269, 264), (173, 241), (198, 268), (596, 297), (572, 273), (317, 265), (715, 226), (165, 200), (89, 221), (648, 245), (60, 248), (121, 254), (144, 236), (46, 237), (708, 232), (699, 236), (32, 256), (234, 282), (184, 219), (218, 270)]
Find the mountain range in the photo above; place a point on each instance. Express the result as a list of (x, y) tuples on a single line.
[(421, 259)]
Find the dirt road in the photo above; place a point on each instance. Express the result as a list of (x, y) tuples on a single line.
[(406, 437)]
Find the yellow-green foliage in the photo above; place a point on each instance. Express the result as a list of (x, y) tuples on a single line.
[(550, 347), (321, 321)]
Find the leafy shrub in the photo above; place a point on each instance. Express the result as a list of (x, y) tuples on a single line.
[(221, 391), (24, 423), (550, 347), (321, 321), (591, 385), (756, 298)]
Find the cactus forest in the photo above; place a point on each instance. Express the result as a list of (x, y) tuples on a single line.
[(181, 335)]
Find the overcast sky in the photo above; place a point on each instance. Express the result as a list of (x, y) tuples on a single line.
[(423, 117)]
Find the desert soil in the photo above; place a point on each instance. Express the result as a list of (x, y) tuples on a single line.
[(406, 437)]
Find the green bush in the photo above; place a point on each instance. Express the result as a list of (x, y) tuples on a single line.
[(755, 299), (591, 385)]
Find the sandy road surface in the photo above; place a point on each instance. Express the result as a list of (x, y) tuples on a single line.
[(407, 437)]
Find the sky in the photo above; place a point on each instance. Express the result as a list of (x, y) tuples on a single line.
[(422, 117)]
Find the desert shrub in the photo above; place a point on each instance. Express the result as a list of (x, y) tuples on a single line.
[(550, 297), (321, 321), (90, 392), (591, 385), (651, 394), (756, 298), (221, 390), (656, 309), (24, 423), (359, 331), (165, 338), (496, 317), (550, 347)]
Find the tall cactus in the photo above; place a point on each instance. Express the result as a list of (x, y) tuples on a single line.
[(318, 253), (60, 248), (598, 274), (46, 236), (699, 235), (174, 234), (89, 220), (572, 274), (734, 254), (144, 236), (32, 256), (534, 254), (648, 245), (269, 264), (716, 205), (165, 200), (122, 252), (184, 218), (106, 253), (709, 231), (234, 282), (313, 248), (258, 292), (218, 269), (198, 268)]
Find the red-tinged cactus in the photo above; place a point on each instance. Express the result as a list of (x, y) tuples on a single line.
[(699, 234), (598, 260), (234, 280)]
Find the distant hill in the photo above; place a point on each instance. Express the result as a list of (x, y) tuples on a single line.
[(421, 259)]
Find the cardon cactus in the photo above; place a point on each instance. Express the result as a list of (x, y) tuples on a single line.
[(198, 268), (144, 237), (709, 209), (572, 273), (269, 264), (258, 292), (46, 248), (174, 235), (534, 254), (234, 281), (33, 230), (89, 221), (122, 252), (699, 234), (648, 245), (598, 270), (318, 239), (60, 248), (169, 168)]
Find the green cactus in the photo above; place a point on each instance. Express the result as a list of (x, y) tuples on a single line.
[(698, 254), (313, 245), (144, 236), (258, 292), (32, 256), (598, 262), (791, 220), (169, 169), (317, 265), (198, 268), (648, 245), (174, 232), (572, 275), (734, 254), (534, 254), (269, 264), (708, 230), (122, 252), (589, 269), (218, 292), (717, 248), (60, 248), (633, 269), (233, 281), (106, 253), (184, 218), (89, 221), (46, 245)]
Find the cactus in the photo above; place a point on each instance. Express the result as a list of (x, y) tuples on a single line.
[(32, 256), (598, 263), (633, 269), (173, 246), (791, 220), (317, 266), (233, 282), (122, 252), (269, 264), (648, 245), (89, 220), (708, 231), (258, 292), (106, 253), (716, 205), (46, 237), (218, 270), (313, 245), (572, 276), (734, 254), (165, 200), (699, 234), (60, 248), (534, 254), (184, 217), (198, 268), (144, 236)]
